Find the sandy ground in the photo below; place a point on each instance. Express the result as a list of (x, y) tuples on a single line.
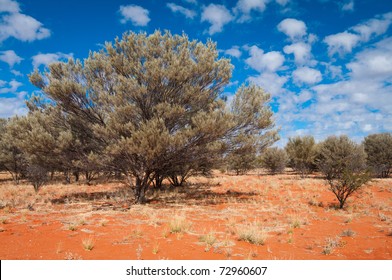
[(224, 217)]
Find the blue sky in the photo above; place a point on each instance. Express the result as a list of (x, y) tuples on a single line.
[(327, 64)]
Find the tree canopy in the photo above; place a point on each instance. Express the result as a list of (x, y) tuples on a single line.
[(150, 105)]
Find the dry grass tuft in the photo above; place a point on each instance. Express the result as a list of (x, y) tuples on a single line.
[(88, 243), (253, 234), (179, 224)]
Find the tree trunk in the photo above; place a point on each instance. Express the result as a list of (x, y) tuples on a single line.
[(141, 188)]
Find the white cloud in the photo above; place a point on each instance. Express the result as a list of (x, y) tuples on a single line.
[(373, 63), (13, 86), (245, 7), (306, 75), (10, 106), (136, 14), (373, 27), (191, 1), (341, 43), (234, 52), (48, 58), (293, 28), (282, 2), (301, 51), (16, 73), (271, 82), (22, 27), (10, 57), (218, 16), (348, 6), (9, 6), (261, 61), (344, 42), (179, 9)]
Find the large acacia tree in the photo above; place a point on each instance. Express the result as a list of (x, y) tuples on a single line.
[(149, 104)]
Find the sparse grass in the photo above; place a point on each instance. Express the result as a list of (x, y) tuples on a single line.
[(331, 244), (179, 224), (155, 248), (253, 234), (209, 239), (88, 243), (165, 233), (136, 233), (59, 248), (348, 232), (72, 227), (72, 256), (3, 220), (103, 222), (139, 251), (382, 217)]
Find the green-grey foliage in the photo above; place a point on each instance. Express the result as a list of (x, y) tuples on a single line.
[(12, 159), (378, 148), (343, 163), (149, 105), (253, 130), (274, 160), (302, 153)]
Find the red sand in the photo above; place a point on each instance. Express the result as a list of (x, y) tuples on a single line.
[(297, 217)]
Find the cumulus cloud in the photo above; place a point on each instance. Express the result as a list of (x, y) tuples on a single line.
[(306, 75), (218, 16), (179, 9), (15, 105), (301, 52), (261, 61), (191, 1), (293, 28), (244, 8), (9, 6), (373, 63), (344, 42), (271, 82), (373, 27), (282, 2), (234, 52), (348, 6), (48, 58), (22, 27), (136, 14), (10, 57), (12, 86), (341, 43)]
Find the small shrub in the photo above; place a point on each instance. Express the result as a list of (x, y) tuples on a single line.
[(378, 148), (301, 152), (274, 160), (343, 164), (348, 232)]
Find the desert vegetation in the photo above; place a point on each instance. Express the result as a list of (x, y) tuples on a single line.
[(138, 143)]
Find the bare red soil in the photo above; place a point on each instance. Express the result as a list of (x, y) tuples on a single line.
[(224, 217)]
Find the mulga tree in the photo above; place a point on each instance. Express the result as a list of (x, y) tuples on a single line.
[(274, 160), (302, 153), (44, 145), (12, 159), (378, 148), (343, 163), (149, 104), (253, 129)]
